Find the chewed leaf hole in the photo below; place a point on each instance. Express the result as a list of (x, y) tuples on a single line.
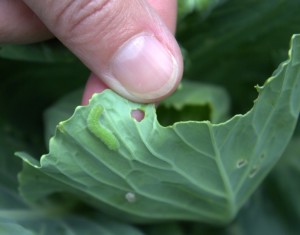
[(138, 114), (241, 163), (169, 115)]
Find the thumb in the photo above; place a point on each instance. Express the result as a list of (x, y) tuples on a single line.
[(125, 43)]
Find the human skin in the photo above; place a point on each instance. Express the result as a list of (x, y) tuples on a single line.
[(128, 45)]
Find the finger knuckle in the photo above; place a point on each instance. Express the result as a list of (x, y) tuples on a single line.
[(77, 15)]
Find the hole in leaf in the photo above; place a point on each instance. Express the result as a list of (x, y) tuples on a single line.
[(241, 163), (138, 114), (169, 115)]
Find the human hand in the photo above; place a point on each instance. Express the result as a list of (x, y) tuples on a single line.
[(127, 44)]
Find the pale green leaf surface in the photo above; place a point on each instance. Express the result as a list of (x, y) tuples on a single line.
[(17, 218), (191, 101), (190, 171)]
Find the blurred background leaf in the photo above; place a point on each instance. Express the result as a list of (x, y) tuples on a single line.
[(246, 40), (238, 44), (51, 51)]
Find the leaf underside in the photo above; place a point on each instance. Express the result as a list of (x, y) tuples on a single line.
[(191, 170)]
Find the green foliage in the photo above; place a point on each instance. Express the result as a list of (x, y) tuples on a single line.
[(195, 101), (49, 52), (194, 165), (16, 217), (189, 171)]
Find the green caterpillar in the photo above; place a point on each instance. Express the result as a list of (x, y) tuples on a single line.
[(99, 131)]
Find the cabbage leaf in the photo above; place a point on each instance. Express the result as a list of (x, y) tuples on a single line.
[(142, 171)]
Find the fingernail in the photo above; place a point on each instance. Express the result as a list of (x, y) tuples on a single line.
[(145, 68)]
